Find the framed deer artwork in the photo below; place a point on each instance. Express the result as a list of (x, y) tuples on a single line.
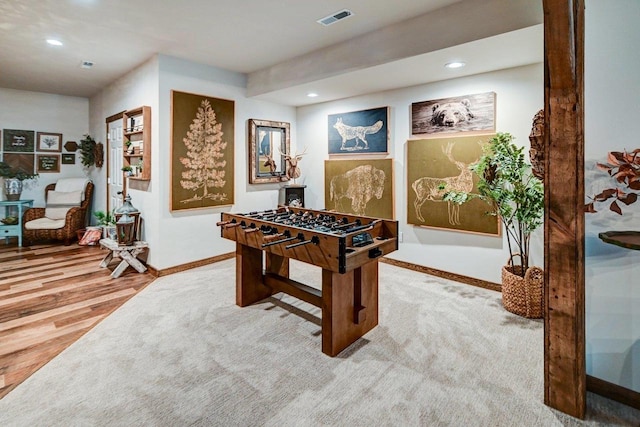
[(359, 132), (437, 165)]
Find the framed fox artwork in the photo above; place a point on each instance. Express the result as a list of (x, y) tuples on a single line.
[(359, 132)]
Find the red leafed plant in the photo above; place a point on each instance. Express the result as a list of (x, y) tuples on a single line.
[(624, 167)]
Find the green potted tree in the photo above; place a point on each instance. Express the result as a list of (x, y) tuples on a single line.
[(13, 180), (511, 191), (107, 221)]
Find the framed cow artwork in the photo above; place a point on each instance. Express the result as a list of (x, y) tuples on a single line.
[(359, 132), (468, 113), (360, 187)]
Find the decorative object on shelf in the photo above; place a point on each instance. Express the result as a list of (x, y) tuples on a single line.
[(68, 159), (359, 132), (517, 197), (87, 151), (202, 141), (49, 141), (136, 150), (18, 141), (128, 170), (48, 163), (293, 170), (99, 154), (294, 195), (13, 180), (360, 187), (445, 161), (71, 146), (456, 114), (624, 168), (536, 152), (267, 141), (133, 214)]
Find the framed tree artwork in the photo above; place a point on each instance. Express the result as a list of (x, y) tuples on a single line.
[(202, 145), (360, 187), (49, 141), (18, 141), (466, 113), (435, 166), (359, 132)]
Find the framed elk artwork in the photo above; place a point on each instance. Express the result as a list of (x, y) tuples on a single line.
[(466, 113), (360, 187), (435, 166), (202, 141), (359, 132)]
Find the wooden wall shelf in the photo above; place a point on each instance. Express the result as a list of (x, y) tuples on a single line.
[(137, 134)]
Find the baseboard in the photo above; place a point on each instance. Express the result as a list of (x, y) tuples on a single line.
[(183, 267), (444, 274), (613, 392)]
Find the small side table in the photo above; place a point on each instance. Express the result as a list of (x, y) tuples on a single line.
[(128, 255), (13, 208)]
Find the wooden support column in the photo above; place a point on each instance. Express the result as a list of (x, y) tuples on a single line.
[(564, 335)]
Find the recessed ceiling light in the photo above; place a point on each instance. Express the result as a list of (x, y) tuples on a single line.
[(455, 64), (312, 94), (54, 42)]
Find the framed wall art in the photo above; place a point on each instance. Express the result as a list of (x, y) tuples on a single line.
[(359, 132), (18, 141), (49, 141), (360, 187), (202, 141), (268, 143), (457, 114), (68, 159), (19, 161), (437, 165), (46, 163)]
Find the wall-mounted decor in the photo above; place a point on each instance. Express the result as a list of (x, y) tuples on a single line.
[(18, 141), (359, 132), (68, 159), (435, 166), (47, 163), (71, 146), (360, 187), (457, 114), (49, 141), (202, 164), (22, 162), (268, 143)]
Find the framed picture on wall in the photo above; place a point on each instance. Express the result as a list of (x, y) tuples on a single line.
[(18, 141), (433, 167), (20, 161), (47, 163), (359, 132), (49, 141), (68, 159), (360, 187), (269, 141), (456, 114), (202, 141)]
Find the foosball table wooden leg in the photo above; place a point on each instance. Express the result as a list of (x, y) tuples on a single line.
[(249, 286)]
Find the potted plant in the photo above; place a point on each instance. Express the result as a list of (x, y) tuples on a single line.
[(128, 170), (517, 197), (13, 178), (108, 223), (87, 151)]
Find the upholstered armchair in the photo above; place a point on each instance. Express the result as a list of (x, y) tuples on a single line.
[(68, 202)]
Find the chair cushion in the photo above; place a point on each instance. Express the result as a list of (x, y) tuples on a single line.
[(58, 203), (72, 184), (44, 224)]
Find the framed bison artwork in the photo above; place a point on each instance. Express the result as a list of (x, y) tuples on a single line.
[(458, 114), (437, 165), (360, 187), (359, 132)]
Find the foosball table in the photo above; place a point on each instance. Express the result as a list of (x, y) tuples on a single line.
[(346, 247)]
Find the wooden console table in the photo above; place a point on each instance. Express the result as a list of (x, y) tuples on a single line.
[(128, 255)]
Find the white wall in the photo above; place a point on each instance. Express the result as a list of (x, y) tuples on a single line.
[(612, 94), (520, 94), (43, 112)]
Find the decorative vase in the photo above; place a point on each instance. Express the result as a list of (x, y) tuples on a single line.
[(523, 295), (12, 188)]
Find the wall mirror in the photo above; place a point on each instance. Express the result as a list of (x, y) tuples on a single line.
[(268, 142)]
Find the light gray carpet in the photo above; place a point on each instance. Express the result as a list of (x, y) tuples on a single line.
[(182, 353)]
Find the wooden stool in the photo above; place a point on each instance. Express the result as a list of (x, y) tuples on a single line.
[(128, 255)]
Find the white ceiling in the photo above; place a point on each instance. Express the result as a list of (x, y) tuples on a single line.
[(246, 36)]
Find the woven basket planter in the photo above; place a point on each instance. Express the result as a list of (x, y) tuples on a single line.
[(523, 295)]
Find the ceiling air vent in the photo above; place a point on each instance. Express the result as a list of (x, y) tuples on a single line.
[(335, 17)]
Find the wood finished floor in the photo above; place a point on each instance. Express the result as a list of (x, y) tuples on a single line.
[(50, 295)]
